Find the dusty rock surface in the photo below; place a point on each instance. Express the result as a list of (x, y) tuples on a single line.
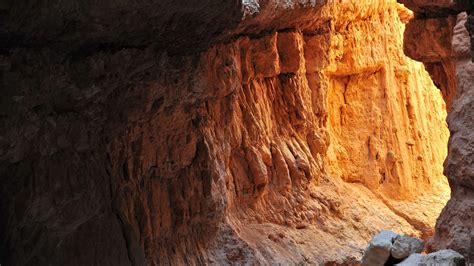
[(284, 131)]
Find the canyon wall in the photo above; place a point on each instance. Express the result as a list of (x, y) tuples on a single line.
[(446, 42), (281, 132)]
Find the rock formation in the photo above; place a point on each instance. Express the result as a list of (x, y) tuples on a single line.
[(451, 47), (193, 132), (404, 246), (379, 249), (441, 257), (389, 248)]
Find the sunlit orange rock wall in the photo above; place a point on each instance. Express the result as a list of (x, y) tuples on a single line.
[(371, 82), (294, 141), (278, 118)]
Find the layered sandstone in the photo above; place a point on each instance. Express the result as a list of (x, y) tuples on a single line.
[(262, 138)]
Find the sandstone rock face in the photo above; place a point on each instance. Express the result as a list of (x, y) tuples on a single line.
[(455, 225), (429, 41), (290, 136), (84, 26)]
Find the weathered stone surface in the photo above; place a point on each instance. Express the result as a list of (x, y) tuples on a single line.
[(429, 40), (441, 257), (378, 250), (455, 224), (404, 246), (434, 8), (87, 26), (132, 139)]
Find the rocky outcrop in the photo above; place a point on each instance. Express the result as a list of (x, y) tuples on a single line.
[(452, 44), (284, 132), (429, 41), (456, 222)]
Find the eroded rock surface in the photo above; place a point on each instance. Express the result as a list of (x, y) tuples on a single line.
[(455, 68), (291, 132), (456, 222)]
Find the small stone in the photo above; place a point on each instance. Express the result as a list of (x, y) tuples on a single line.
[(378, 250), (301, 225), (273, 238), (404, 246), (410, 142)]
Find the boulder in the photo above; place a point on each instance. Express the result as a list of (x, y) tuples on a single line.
[(404, 246), (446, 257), (378, 250)]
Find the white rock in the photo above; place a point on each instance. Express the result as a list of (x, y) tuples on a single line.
[(445, 257), (378, 250), (404, 246)]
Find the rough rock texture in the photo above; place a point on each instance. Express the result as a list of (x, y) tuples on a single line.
[(378, 250), (442, 257), (429, 41), (404, 246), (452, 44), (455, 225), (389, 248), (290, 136), (82, 26)]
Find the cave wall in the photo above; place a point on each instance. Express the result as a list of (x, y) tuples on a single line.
[(244, 142), (450, 46)]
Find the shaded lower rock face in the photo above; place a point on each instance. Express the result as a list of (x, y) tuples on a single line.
[(290, 146), (448, 57)]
